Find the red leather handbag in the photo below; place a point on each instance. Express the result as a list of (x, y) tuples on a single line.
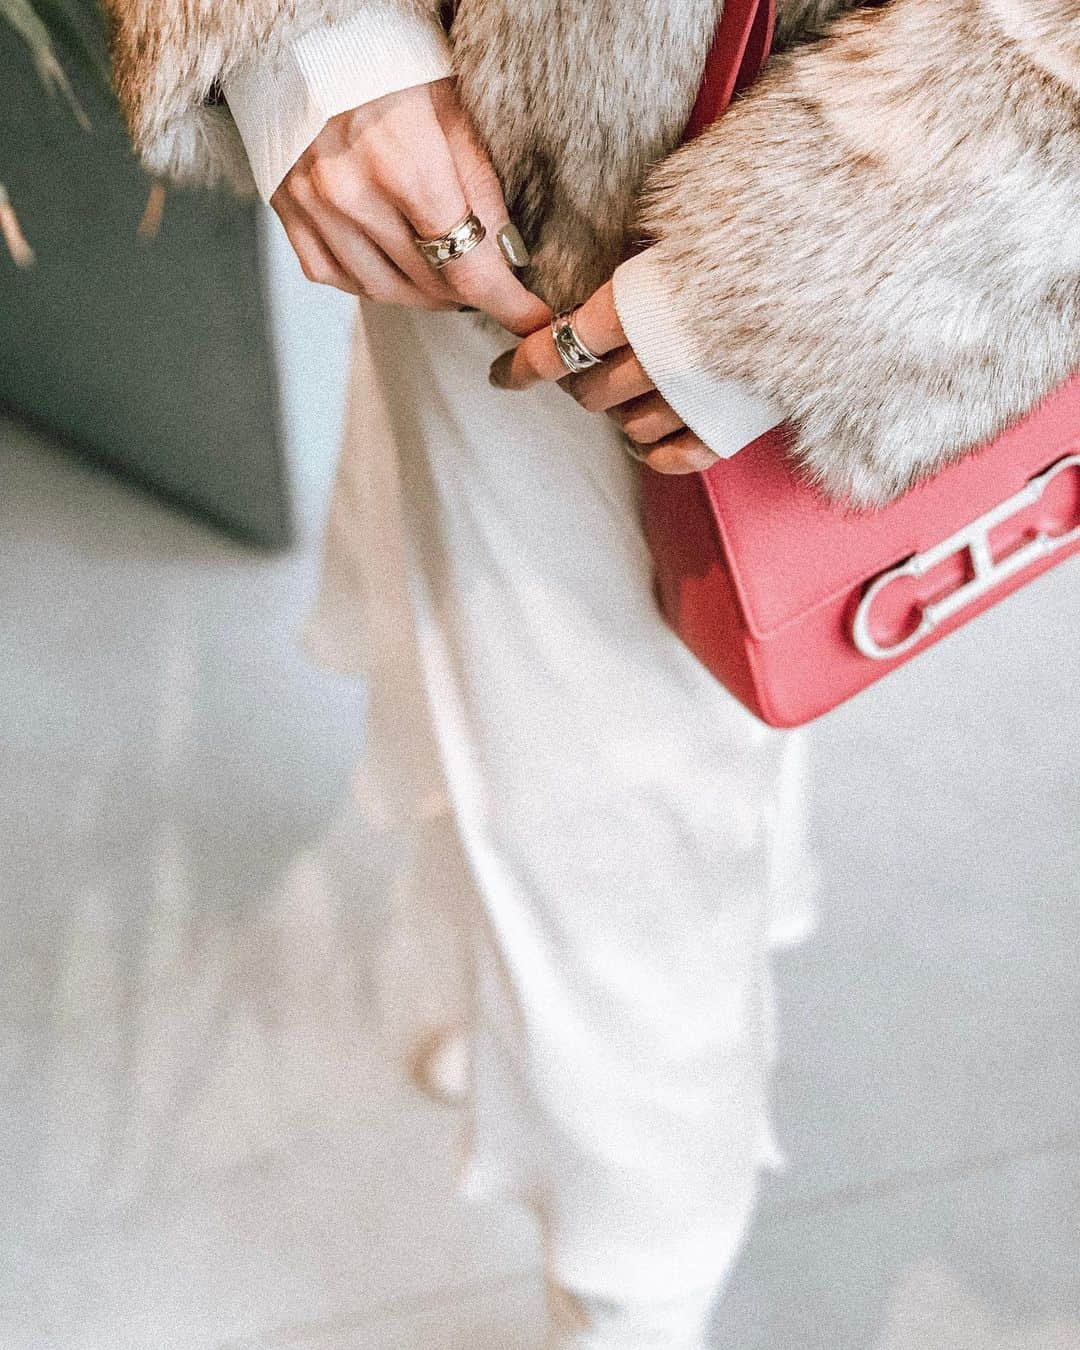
[(796, 605)]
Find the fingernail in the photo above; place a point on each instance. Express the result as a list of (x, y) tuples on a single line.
[(639, 452), (499, 374), (512, 246)]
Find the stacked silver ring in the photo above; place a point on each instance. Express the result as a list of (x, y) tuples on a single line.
[(573, 353), (447, 248)]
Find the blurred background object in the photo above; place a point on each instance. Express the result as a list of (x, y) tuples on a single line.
[(152, 355)]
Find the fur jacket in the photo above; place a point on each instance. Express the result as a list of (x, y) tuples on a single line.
[(883, 235)]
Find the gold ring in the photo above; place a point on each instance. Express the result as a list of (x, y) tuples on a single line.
[(447, 248)]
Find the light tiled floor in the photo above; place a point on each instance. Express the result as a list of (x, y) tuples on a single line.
[(200, 1148)]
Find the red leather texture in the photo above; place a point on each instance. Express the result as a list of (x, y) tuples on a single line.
[(762, 578)]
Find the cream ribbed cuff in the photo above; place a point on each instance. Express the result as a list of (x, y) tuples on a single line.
[(281, 104), (726, 414)]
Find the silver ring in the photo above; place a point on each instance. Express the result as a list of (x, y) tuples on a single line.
[(447, 248), (573, 353)]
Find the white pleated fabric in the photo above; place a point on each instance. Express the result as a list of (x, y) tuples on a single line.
[(625, 841)]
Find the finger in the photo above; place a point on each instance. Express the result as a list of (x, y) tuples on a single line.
[(681, 453), (483, 277), (376, 275), (618, 380), (366, 269), (596, 323), (391, 233), (648, 420), (429, 193), (387, 195), (483, 280), (316, 260)]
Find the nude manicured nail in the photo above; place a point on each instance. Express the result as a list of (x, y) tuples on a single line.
[(512, 246)]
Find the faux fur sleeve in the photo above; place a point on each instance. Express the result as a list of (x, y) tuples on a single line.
[(883, 235), (170, 56), (800, 20)]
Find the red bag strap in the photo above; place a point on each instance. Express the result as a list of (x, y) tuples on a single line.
[(743, 41)]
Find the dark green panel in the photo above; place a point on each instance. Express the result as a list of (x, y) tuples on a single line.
[(153, 357)]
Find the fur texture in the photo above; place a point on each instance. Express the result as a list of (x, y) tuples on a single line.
[(882, 234), (168, 55), (909, 281), (799, 20), (576, 101)]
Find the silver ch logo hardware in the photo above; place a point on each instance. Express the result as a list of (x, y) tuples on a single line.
[(988, 573)]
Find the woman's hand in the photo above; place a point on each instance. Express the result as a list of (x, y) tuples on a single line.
[(618, 386), (405, 165)]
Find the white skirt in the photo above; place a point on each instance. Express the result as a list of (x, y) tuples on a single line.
[(604, 843)]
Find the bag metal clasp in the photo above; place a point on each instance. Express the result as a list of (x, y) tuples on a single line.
[(988, 572)]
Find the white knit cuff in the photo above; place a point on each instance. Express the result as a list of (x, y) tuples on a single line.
[(726, 414), (281, 104)]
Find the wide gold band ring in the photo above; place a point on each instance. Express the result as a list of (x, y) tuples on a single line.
[(447, 248)]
